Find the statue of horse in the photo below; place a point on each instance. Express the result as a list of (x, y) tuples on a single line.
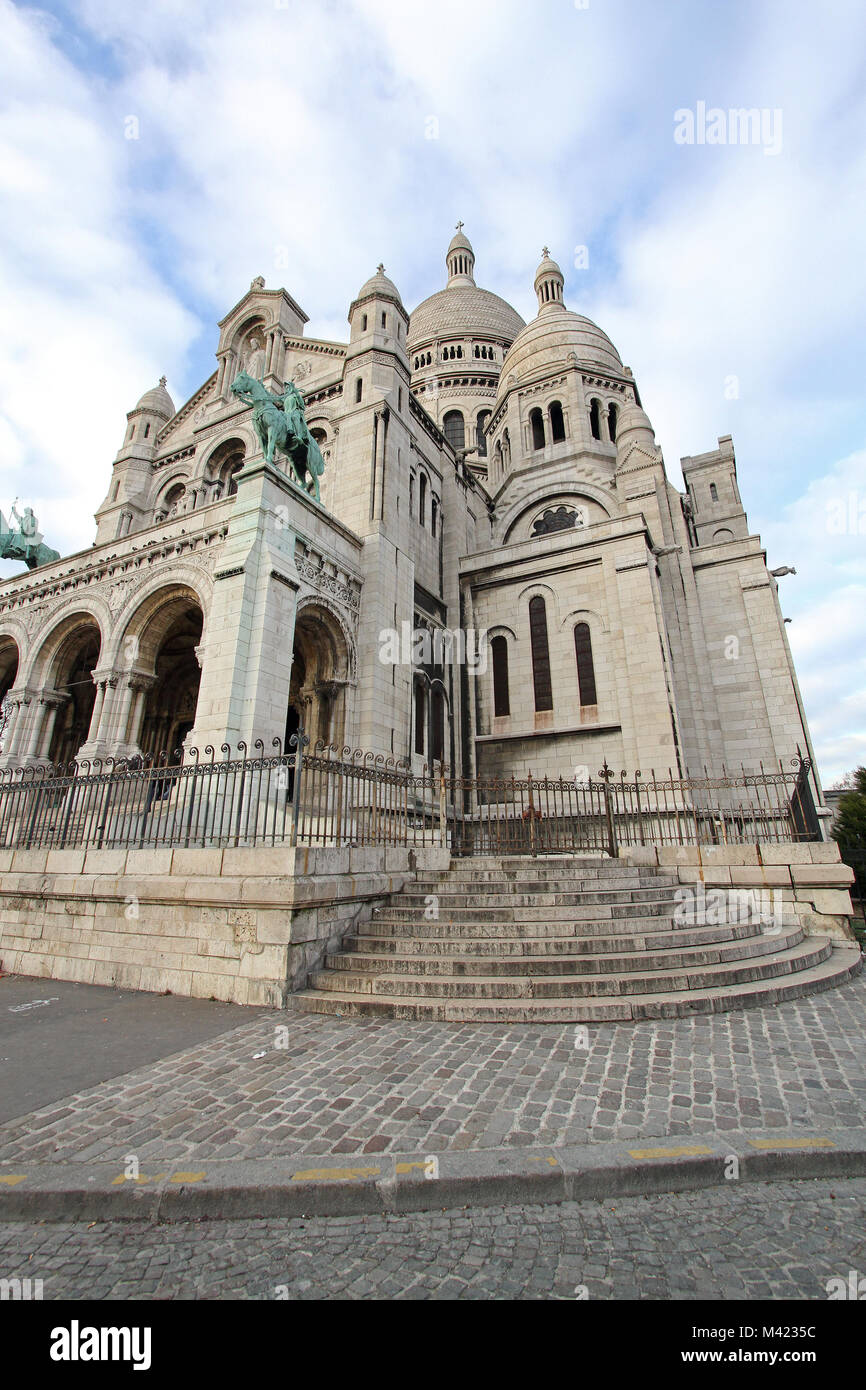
[(280, 424), (25, 543)]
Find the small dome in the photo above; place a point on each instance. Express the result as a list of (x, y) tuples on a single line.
[(459, 242), (157, 401), (554, 338), (379, 286), (633, 421)]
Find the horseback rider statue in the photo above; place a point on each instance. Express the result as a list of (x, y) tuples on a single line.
[(280, 423)]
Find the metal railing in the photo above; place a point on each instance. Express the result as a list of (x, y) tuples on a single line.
[(344, 796)]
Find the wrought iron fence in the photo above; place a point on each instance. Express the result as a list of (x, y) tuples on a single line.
[(345, 796)]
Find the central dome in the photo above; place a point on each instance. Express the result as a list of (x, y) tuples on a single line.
[(462, 309)]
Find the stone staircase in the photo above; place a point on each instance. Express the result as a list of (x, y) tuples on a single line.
[(562, 940)]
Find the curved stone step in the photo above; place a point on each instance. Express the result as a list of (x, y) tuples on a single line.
[(584, 984), (565, 928), (555, 912), (543, 896), (522, 963), (841, 963), (421, 944)]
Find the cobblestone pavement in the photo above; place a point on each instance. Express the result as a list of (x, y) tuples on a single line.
[(341, 1086), (778, 1241)]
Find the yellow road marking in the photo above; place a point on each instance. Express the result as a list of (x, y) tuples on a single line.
[(792, 1143), (326, 1174), (142, 1177), (683, 1151), (548, 1158), (408, 1167), (13, 1178), (186, 1177)]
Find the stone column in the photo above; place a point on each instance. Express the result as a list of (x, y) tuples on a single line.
[(53, 700)]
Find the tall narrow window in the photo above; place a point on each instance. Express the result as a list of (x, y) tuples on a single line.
[(480, 425), (557, 423), (434, 513), (420, 715), (359, 387), (585, 667), (411, 495), (422, 500), (714, 492), (437, 725), (384, 321), (536, 424), (454, 429), (364, 324), (501, 701), (540, 654), (611, 422), (595, 419)]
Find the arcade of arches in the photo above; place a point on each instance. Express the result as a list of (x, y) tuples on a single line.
[(73, 706)]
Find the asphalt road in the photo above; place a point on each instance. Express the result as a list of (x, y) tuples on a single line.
[(58, 1037)]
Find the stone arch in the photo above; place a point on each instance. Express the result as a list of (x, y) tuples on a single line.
[(521, 512), (10, 661), (224, 462), (67, 702), (159, 648), (323, 667)]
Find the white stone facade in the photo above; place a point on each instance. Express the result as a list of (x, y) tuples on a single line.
[(473, 465)]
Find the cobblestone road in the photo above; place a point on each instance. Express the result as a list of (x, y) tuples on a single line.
[(778, 1241), (341, 1086)]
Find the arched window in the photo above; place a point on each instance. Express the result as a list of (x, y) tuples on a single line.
[(455, 429), (585, 667), (437, 725), (595, 419), (434, 513), (146, 431), (499, 652), (540, 654), (480, 424), (611, 421), (557, 423), (536, 424), (422, 500), (477, 350), (420, 716), (714, 492)]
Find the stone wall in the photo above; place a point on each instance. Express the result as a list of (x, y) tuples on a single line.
[(241, 925), (808, 881)]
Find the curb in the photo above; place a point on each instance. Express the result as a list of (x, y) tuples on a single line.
[(381, 1184)]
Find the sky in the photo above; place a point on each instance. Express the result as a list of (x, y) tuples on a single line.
[(155, 158)]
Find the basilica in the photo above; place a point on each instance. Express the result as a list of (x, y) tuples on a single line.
[(491, 484)]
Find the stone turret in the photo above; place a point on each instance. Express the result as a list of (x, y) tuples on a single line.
[(130, 480)]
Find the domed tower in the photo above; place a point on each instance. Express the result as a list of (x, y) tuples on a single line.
[(378, 323), (457, 341), (125, 506), (561, 391)]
